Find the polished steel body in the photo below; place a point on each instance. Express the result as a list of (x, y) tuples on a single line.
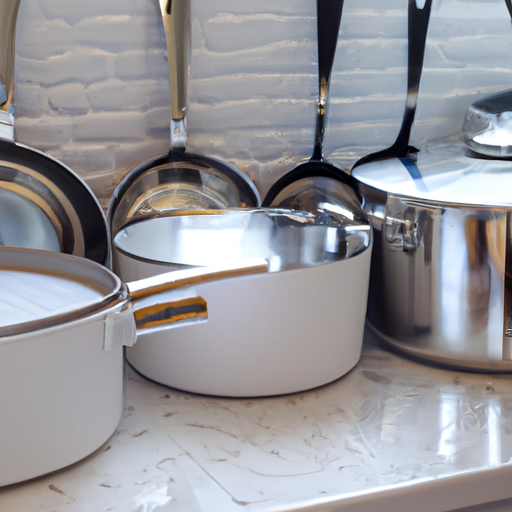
[(440, 277), (178, 179)]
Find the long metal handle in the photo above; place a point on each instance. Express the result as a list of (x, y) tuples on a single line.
[(176, 20), (418, 19), (328, 13), (8, 16), (417, 29), (161, 313)]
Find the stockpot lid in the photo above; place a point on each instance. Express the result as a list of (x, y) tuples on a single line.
[(442, 173)]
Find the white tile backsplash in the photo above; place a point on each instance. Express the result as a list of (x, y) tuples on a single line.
[(92, 86)]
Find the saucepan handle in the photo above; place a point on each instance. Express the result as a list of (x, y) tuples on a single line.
[(154, 310), (176, 20)]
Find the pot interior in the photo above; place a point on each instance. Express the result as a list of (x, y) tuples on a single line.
[(286, 239)]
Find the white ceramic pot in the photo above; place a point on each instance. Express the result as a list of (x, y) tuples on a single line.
[(63, 323), (294, 328)]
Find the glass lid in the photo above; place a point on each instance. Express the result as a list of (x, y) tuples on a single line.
[(443, 173)]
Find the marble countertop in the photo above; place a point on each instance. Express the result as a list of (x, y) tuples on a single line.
[(389, 434)]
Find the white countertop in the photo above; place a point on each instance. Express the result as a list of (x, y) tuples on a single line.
[(391, 435)]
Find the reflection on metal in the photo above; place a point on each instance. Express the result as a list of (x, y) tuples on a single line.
[(144, 288), (177, 29), (286, 239), (439, 283)]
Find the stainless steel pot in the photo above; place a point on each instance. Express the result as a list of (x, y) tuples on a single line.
[(441, 267), (178, 179), (294, 328), (63, 323)]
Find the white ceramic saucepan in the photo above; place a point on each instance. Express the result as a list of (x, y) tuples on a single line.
[(294, 328), (63, 323)]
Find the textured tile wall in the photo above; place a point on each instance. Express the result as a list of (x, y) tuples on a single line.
[(92, 84)]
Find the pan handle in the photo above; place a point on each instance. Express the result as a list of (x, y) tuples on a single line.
[(176, 20), (153, 312), (8, 16)]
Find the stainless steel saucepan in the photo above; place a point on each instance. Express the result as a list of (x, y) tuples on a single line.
[(63, 323), (179, 179), (43, 203), (441, 270)]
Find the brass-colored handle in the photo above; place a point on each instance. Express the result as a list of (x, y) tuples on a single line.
[(168, 313), (152, 311)]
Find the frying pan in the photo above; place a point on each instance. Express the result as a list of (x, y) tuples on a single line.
[(45, 204), (63, 323), (179, 179), (329, 14)]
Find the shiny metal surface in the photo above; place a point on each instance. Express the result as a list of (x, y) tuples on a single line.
[(488, 125), (442, 173), (54, 209), (183, 180), (176, 20), (286, 238), (325, 197), (440, 282), (179, 179), (329, 14)]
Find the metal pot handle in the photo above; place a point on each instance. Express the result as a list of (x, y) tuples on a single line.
[(152, 311), (176, 20), (148, 310)]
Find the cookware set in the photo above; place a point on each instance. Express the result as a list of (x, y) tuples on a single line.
[(224, 296), (207, 288)]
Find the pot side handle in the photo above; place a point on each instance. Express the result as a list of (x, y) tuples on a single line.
[(152, 311)]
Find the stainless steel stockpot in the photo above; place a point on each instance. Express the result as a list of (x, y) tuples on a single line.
[(441, 265), (63, 323)]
